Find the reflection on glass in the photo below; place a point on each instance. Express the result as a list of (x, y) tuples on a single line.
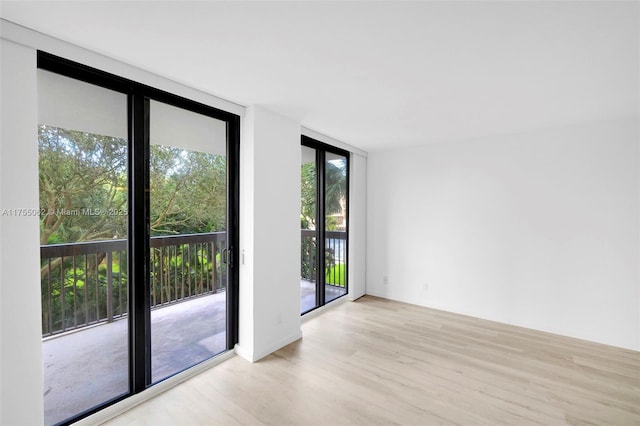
[(188, 204), (83, 235), (335, 204), (308, 219)]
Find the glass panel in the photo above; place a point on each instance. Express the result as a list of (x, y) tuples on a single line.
[(335, 203), (83, 235), (308, 265), (188, 205)]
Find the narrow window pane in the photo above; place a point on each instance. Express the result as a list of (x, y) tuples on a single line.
[(335, 204), (188, 222), (83, 236), (308, 218)]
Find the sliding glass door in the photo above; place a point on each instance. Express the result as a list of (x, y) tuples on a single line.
[(139, 218), (82, 143), (188, 222), (324, 224)]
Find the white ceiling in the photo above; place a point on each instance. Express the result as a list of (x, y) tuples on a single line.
[(377, 75)]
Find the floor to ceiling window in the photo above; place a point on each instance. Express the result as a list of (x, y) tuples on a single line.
[(138, 221), (324, 224), (82, 143)]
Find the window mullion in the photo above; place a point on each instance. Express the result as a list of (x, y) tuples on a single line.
[(139, 301)]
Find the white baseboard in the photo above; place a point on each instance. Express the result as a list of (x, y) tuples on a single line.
[(274, 347), (495, 318), (253, 356), (243, 352)]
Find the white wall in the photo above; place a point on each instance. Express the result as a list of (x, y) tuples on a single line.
[(357, 227), (20, 328), (538, 230), (270, 234)]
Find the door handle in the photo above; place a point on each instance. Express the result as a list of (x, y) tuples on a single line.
[(227, 256)]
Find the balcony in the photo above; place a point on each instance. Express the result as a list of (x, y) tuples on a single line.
[(335, 267), (84, 310), (89, 366), (85, 305)]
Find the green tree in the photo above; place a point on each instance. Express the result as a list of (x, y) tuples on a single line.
[(335, 192), (335, 175), (83, 188), (308, 196), (82, 184), (188, 191)]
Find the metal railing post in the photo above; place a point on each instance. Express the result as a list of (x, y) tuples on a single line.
[(109, 286)]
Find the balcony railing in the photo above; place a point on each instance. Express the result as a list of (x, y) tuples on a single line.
[(86, 283), (335, 257)]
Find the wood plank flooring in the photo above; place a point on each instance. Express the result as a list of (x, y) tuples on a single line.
[(379, 362)]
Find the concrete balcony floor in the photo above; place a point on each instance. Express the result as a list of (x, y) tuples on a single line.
[(90, 366), (308, 294)]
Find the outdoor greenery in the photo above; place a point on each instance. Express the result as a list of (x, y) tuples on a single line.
[(83, 198), (81, 175), (336, 275), (334, 198), (188, 191), (308, 196), (83, 188), (335, 193)]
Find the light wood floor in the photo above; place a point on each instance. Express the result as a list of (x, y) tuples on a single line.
[(378, 362)]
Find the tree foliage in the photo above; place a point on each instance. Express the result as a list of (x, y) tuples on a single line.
[(308, 196), (335, 175), (188, 191), (81, 177), (83, 188)]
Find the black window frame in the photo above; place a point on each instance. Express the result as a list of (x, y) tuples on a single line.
[(321, 150), (138, 101)]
